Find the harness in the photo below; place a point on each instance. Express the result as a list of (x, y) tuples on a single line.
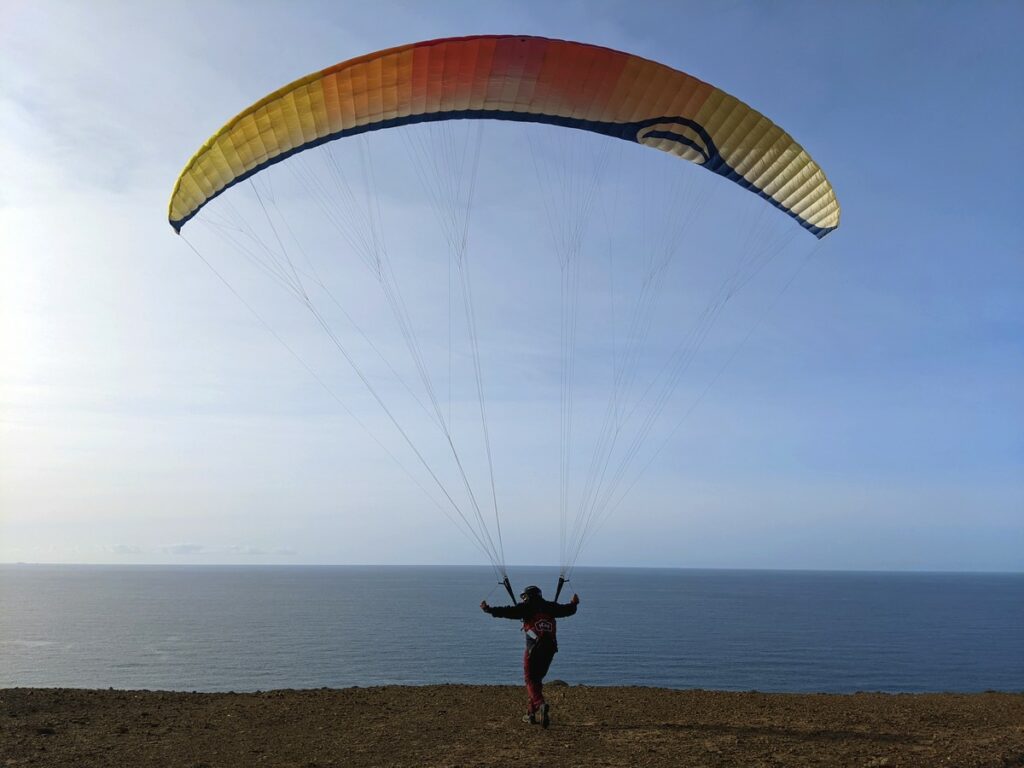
[(540, 629)]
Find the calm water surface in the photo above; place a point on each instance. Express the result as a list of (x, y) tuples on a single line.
[(251, 628)]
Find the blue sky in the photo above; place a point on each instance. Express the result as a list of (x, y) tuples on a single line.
[(875, 419)]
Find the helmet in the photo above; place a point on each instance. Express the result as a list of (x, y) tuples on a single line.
[(531, 592)]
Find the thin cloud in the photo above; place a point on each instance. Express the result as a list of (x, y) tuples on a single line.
[(185, 549), (126, 549)]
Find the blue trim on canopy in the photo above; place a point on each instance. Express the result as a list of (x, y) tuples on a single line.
[(625, 131)]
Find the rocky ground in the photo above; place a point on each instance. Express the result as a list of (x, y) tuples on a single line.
[(469, 726)]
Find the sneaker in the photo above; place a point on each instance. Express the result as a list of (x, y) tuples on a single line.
[(545, 715), (530, 718)]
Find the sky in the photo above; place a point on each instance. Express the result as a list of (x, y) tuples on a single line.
[(873, 419)]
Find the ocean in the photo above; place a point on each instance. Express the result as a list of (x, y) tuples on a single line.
[(264, 627)]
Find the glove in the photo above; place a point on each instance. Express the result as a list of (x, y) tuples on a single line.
[(484, 606), (575, 599)]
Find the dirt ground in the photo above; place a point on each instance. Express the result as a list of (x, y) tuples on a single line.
[(468, 726)]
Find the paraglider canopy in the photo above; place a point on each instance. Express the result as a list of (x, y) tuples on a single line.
[(525, 80), (513, 77)]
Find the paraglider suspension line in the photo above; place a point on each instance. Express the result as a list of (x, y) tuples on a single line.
[(508, 588)]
